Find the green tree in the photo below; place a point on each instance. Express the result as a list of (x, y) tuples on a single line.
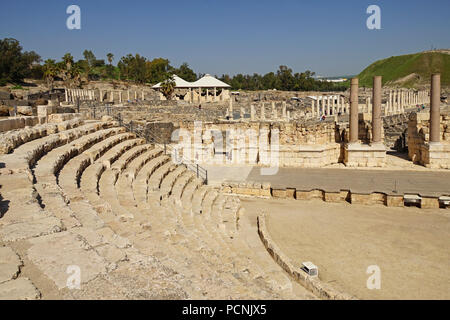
[(158, 70), (186, 73), (89, 57), (15, 65), (50, 72)]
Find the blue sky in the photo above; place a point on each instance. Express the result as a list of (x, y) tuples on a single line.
[(243, 36)]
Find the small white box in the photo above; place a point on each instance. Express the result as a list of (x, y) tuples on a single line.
[(310, 268)]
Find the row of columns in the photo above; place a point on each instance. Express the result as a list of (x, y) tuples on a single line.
[(376, 110), (71, 95), (225, 94), (328, 105), (400, 99), (285, 114)]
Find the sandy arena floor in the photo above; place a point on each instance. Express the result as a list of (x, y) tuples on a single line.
[(411, 246)]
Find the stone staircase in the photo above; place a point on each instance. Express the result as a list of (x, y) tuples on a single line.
[(88, 196)]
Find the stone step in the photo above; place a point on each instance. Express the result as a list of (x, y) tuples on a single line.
[(126, 178), (128, 156), (197, 199), (11, 140), (169, 181), (29, 153), (155, 180), (70, 176), (256, 266), (114, 153), (47, 186), (180, 184), (140, 187), (136, 165), (188, 193), (147, 239)]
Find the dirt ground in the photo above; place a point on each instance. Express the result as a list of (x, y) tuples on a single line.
[(410, 246)]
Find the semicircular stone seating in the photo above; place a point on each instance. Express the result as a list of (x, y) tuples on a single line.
[(89, 195)]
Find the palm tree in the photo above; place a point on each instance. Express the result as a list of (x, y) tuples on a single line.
[(50, 72), (110, 57), (68, 61), (168, 87)]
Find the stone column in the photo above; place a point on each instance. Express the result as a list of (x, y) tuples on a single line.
[(252, 112), (135, 95), (263, 116), (319, 113), (328, 106), (66, 95), (231, 106), (338, 104), (215, 94), (288, 116), (333, 105), (283, 111), (128, 94), (207, 95), (199, 95), (435, 105), (376, 111), (354, 110), (111, 96), (120, 96), (312, 108), (367, 104), (100, 96), (142, 95)]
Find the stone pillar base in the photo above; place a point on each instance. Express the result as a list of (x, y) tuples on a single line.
[(364, 155), (436, 155)]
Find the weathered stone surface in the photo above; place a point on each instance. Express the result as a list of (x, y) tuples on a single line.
[(30, 229), (19, 289), (25, 110), (10, 264), (53, 254)]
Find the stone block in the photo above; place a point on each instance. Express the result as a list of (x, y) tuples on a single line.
[(429, 203), (394, 201)]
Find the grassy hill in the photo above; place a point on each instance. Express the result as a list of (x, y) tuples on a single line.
[(409, 70)]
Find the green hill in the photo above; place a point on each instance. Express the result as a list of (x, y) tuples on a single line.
[(409, 70)]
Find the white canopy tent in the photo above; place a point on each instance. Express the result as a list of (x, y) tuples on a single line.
[(179, 83), (196, 89)]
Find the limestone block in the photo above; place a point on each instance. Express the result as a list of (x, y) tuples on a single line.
[(279, 193), (25, 110), (333, 197), (394, 201), (429, 203)]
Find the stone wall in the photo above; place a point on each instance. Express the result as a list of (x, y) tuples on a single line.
[(419, 149), (285, 144)]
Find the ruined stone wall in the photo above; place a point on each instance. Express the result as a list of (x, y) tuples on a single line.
[(264, 143), (419, 149)]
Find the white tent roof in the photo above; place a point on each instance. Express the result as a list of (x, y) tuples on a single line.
[(206, 82), (179, 83), (209, 81)]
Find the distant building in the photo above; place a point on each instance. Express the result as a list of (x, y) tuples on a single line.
[(206, 89)]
